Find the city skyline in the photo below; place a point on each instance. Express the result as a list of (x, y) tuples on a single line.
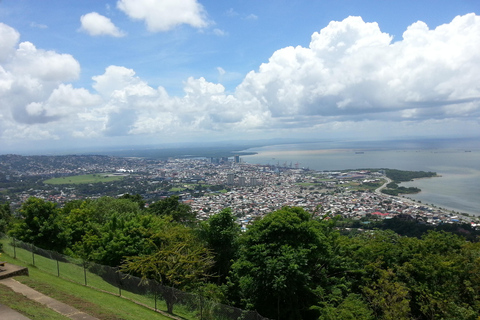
[(112, 73)]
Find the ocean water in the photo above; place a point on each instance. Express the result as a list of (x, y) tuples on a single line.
[(457, 162)]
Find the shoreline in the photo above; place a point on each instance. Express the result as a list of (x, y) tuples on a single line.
[(456, 192), (414, 202)]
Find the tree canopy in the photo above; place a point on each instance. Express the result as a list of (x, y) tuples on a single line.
[(221, 234), (281, 261), (287, 265), (172, 206)]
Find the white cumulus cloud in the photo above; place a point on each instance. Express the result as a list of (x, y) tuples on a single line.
[(43, 65), (163, 15), (37, 102), (10, 39), (354, 71), (97, 25)]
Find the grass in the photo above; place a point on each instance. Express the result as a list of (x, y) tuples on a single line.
[(306, 184), (70, 289), (83, 179), (27, 307)]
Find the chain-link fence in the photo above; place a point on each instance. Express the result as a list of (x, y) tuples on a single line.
[(145, 292)]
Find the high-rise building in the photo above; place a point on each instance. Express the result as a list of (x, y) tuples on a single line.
[(242, 181), (236, 158), (230, 178)]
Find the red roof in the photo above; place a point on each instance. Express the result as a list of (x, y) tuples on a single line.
[(380, 213)]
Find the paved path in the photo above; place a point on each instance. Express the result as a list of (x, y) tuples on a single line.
[(53, 304), (383, 186), (9, 314)]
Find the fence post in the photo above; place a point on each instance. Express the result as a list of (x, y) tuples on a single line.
[(14, 249), (85, 271), (33, 256), (119, 282), (58, 268)]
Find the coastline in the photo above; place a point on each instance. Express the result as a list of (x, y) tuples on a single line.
[(456, 191), (410, 201)]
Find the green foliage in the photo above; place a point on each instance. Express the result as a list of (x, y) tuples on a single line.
[(437, 277), (400, 190), (401, 175), (387, 295), (41, 225), (287, 265), (431, 274), (221, 234), (134, 198), (83, 179), (282, 259), (177, 259), (353, 307), (108, 229), (392, 185), (172, 206), (5, 217)]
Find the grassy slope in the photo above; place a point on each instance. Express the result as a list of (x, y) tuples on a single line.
[(98, 304), (75, 273)]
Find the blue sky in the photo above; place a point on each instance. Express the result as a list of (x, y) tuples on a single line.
[(92, 73)]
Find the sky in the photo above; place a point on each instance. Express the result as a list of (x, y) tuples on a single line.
[(94, 73)]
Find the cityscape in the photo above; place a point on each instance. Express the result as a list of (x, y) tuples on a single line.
[(209, 185)]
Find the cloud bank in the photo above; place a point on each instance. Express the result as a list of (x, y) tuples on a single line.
[(352, 79)]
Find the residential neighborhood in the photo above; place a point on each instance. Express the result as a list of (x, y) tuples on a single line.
[(209, 185)]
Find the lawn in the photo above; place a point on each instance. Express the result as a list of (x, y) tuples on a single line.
[(177, 189), (83, 179)]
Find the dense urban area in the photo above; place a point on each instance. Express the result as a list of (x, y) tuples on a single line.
[(210, 185)]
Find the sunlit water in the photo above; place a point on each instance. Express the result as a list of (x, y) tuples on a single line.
[(457, 189)]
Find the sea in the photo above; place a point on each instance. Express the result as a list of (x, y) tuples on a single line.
[(456, 161)]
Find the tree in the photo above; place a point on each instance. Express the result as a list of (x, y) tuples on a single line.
[(41, 225), (134, 198), (221, 234), (108, 229), (353, 307), (172, 206), (5, 217), (388, 296), (441, 277), (177, 260), (433, 277), (282, 261)]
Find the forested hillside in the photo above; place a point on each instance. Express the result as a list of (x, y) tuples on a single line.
[(286, 265)]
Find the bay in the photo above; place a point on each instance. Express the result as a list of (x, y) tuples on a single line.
[(456, 161)]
